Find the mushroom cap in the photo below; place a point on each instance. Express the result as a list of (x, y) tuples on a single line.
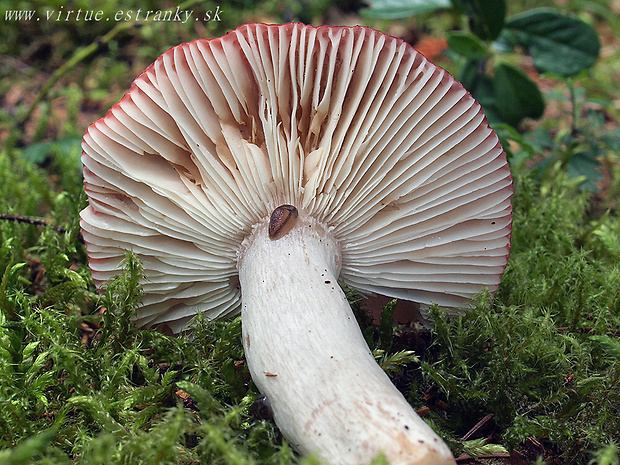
[(353, 127)]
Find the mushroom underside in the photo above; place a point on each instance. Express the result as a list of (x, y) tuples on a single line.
[(381, 152)]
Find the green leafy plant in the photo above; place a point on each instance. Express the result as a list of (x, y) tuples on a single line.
[(397, 9), (557, 43), (583, 150)]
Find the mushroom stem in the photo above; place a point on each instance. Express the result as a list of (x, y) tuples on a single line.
[(306, 353)]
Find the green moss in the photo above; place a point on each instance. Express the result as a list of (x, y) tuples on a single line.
[(541, 357), (80, 384)]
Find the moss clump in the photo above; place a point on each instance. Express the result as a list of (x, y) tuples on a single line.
[(543, 356), (80, 384)]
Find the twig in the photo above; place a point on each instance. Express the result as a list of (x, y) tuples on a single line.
[(589, 329), (495, 455), (80, 55), (477, 427), (30, 220), (77, 57)]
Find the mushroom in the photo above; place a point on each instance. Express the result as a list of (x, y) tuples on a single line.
[(256, 171)]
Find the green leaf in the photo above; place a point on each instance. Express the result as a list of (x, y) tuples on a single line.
[(38, 152), (585, 165), (469, 74), (558, 43), (467, 45), (486, 97), (396, 9), (480, 85), (507, 133), (486, 17), (517, 95)]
